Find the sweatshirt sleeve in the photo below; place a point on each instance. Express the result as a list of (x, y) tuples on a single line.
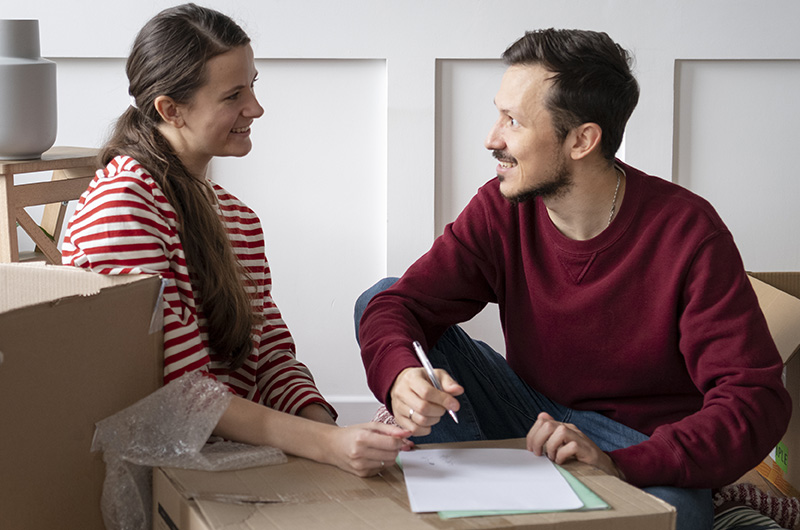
[(733, 361), (420, 306)]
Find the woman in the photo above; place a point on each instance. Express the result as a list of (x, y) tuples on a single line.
[(191, 74)]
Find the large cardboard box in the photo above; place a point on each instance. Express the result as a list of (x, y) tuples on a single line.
[(305, 494), (779, 298), (75, 347)]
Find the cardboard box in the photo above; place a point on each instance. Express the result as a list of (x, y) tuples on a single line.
[(779, 298), (75, 347), (305, 494)]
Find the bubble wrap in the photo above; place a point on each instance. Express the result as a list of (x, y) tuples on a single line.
[(170, 428)]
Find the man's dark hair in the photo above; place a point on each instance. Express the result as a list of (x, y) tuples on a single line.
[(592, 80)]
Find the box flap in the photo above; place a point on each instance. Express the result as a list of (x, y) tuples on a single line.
[(306, 494), (788, 282), (299, 480), (361, 514), (29, 284), (782, 312)]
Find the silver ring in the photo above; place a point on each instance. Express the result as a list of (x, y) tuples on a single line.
[(382, 464), (410, 414)]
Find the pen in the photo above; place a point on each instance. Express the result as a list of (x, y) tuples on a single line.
[(429, 369)]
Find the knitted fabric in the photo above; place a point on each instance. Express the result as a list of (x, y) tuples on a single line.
[(382, 415), (784, 511), (743, 518)]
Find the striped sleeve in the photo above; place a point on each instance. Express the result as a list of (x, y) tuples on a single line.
[(123, 224), (285, 382)]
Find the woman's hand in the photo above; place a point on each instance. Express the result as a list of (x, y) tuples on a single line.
[(363, 449), (563, 441), (367, 448)]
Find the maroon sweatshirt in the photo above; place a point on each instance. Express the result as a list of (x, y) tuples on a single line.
[(652, 323)]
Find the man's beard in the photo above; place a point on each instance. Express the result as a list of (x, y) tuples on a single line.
[(557, 184)]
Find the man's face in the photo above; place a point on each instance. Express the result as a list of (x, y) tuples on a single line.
[(532, 160)]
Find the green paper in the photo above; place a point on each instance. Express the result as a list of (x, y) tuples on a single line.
[(591, 501)]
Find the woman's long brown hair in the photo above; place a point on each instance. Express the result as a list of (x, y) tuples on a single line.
[(168, 58)]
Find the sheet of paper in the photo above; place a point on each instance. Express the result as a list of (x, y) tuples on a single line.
[(484, 479), (591, 501)]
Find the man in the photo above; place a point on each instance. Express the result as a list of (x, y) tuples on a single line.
[(634, 341)]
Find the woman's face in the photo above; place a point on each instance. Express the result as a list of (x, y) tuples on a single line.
[(216, 122)]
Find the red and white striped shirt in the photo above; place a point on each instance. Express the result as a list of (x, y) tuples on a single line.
[(123, 224)]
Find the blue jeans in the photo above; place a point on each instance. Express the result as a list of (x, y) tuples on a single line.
[(497, 404)]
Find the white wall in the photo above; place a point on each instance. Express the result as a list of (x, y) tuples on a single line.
[(377, 110), (734, 138)]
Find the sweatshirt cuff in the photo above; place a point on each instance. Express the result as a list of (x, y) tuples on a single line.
[(648, 464), (391, 364)]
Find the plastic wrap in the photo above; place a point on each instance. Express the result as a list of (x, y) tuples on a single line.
[(170, 428)]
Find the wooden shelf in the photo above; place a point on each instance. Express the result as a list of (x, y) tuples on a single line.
[(72, 170)]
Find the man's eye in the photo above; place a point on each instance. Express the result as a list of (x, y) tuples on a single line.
[(513, 122)]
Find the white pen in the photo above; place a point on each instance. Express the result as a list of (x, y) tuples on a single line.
[(429, 369)]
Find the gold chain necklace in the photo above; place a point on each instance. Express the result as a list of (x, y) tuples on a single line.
[(614, 203)]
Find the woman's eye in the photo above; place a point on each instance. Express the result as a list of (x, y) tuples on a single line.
[(233, 96), (513, 122)]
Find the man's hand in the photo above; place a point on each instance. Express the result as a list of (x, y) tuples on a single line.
[(563, 441), (416, 403)]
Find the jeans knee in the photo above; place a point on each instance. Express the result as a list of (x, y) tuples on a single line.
[(694, 506), (366, 296)]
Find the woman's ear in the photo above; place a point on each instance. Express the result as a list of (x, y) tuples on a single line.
[(169, 111), (586, 140)]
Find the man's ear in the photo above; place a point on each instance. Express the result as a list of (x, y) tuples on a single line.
[(169, 111), (585, 140)]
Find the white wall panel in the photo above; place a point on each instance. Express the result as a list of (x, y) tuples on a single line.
[(92, 93), (735, 134), (317, 179), (465, 112)]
